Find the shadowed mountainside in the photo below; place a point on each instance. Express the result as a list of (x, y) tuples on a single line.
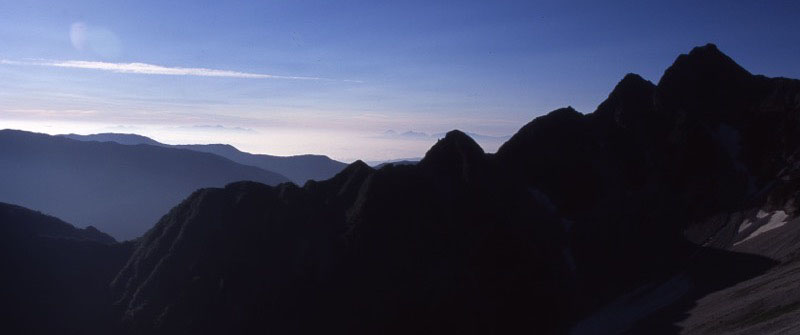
[(121, 189), (358, 253), (55, 277)]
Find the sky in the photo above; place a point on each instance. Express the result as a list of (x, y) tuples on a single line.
[(349, 78)]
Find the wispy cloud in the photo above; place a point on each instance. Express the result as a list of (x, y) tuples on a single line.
[(144, 68)]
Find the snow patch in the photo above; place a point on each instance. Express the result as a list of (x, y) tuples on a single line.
[(746, 224), (776, 220)]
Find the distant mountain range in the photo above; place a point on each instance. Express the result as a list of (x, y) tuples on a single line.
[(670, 209), (399, 161), (120, 189), (298, 169)]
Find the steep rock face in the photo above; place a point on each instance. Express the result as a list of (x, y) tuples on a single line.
[(244, 258), (54, 275), (457, 247), (656, 165), (222, 259), (366, 251)]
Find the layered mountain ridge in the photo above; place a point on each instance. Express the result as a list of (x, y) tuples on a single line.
[(298, 168), (669, 206), (120, 189)]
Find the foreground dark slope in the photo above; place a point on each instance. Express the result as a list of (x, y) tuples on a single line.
[(54, 277), (583, 222), (121, 189), (298, 169)]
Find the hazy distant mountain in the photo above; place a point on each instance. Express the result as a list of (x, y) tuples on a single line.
[(298, 169), (672, 208), (121, 189), (128, 139), (399, 161)]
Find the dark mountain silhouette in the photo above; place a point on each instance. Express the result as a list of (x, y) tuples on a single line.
[(127, 139), (55, 277), (671, 208), (361, 252), (400, 161), (121, 189), (298, 169)]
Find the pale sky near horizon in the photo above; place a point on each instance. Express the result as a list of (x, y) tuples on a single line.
[(331, 77)]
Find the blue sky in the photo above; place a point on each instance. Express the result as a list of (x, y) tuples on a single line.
[(330, 77)]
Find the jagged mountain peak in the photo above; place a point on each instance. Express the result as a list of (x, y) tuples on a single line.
[(704, 74), (564, 112), (628, 102), (354, 166), (708, 56), (345, 182), (556, 120), (455, 151), (705, 63), (709, 52), (455, 140), (632, 84), (354, 169), (455, 155)]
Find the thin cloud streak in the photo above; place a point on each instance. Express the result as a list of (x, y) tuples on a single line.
[(144, 68)]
